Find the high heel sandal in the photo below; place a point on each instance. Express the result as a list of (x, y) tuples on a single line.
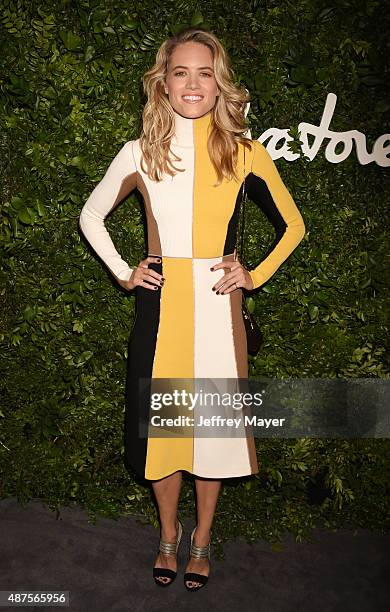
[(167, 548), (198, 552)]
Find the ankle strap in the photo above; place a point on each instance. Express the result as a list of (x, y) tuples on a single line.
[(170, 548), (167, 548), (199, 552)]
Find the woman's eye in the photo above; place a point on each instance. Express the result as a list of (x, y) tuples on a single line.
[(202, 73)]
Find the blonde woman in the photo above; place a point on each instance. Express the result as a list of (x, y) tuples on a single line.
[(188, 165)]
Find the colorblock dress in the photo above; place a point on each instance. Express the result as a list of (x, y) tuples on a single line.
[(184, 330)]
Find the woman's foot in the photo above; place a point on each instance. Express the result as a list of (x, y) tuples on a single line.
[(198, 566), (166, 561)]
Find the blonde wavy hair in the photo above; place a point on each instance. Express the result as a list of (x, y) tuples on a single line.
[(227, 120)]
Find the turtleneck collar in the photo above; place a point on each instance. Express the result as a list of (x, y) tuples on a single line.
[(187, 128)]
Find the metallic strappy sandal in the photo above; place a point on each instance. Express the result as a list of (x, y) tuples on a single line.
[(168, 549), (198, 552)]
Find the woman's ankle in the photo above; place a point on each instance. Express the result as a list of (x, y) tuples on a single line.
[(202, 535), (169, 530)]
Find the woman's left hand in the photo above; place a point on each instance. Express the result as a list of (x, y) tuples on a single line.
[(237, 278)]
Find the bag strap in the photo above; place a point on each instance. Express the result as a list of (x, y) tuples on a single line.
[(240, 232)]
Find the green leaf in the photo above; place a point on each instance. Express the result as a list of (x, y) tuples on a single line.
[(26, 217), (77, 161), (197, 19), (29, 313), (250, 304), (71, 41), (313, 312)]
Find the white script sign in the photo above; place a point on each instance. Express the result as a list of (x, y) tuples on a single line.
[(380, 151)]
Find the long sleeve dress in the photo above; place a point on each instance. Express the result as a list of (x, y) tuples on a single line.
[(184, 330)]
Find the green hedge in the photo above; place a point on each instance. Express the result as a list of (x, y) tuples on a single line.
[(71, 96)]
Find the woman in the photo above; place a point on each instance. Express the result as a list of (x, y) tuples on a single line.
[(188, 164)]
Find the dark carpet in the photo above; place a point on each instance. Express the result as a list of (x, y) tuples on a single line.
[(107, 567)]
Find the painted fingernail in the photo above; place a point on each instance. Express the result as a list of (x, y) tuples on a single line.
[(158, 259), (213, 288), (211, 268)]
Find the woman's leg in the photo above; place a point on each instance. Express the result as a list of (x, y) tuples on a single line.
[(167, 492), (207, 492)]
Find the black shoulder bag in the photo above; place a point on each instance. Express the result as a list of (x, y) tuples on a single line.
[(253, 332)]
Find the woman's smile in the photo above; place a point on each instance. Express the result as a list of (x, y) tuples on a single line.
[(192, 99)]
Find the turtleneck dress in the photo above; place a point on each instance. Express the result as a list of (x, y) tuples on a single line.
[(184, 331)]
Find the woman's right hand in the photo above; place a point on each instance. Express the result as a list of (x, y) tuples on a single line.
[(143, 276)]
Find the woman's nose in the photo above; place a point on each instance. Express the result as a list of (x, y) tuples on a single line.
[(192, 82)]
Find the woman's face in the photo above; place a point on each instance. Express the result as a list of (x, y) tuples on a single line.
[(190, 82)]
